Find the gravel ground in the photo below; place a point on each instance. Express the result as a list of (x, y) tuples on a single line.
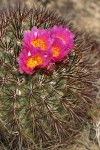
[(85, 14)]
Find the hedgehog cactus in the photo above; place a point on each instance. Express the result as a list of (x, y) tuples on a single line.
[(49, 104)]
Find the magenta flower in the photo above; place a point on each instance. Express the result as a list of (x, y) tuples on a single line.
[(30, 59), (65, 35), (44, 47), (37, 38), (59, 50)]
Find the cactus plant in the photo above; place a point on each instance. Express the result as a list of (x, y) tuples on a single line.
[(49, 106)]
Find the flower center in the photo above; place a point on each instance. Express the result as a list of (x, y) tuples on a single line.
[(55, 51), (39, 43), (33, 61)]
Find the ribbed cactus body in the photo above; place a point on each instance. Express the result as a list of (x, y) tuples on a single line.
[(49, 106)]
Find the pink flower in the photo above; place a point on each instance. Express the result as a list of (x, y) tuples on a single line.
[(29, 59), (43, 47), (37, 38), (65, 35), (59, 50)]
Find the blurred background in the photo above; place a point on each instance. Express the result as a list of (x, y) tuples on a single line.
[(85, 15)]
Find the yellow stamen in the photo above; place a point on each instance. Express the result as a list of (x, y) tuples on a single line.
[(39, 43), (33, 61), (55, 51)]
